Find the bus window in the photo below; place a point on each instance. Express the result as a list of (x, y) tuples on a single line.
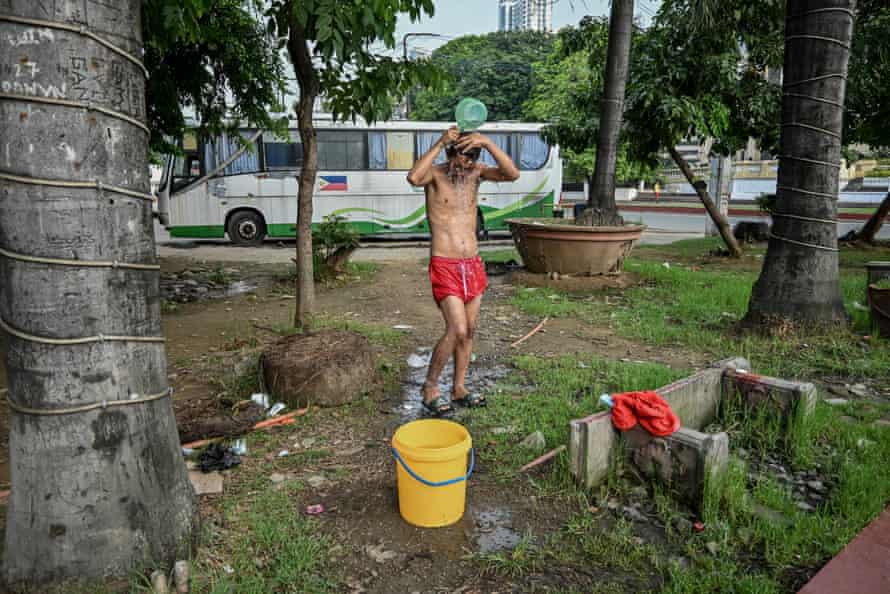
[(186, 169), (390, 150), (427, 139), (340, 150), (502, 141), (283, 154), (533, 151), (400, 150), (377, 155), (220, 148)]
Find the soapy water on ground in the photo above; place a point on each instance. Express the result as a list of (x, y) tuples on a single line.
[(482, 376)]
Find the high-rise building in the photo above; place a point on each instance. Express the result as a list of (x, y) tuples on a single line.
[(525, 15)]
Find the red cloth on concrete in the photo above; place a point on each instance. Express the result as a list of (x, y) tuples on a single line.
[(646, 408)]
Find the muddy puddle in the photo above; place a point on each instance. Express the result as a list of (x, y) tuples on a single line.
[(482, 376)]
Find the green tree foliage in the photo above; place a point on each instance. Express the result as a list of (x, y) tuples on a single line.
[(495, 68), (338, 37), (203, 54), (699, 81), (329, 43), (867, 117), (566, 91)]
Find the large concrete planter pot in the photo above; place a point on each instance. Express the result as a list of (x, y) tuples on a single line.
[(551, 245)]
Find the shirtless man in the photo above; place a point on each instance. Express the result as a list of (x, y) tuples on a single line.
[(456, 270)]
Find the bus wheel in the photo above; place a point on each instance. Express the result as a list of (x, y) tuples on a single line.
[(247, 228), (481, 232)]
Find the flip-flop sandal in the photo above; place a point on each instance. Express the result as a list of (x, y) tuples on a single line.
[(439, 408), (471, 401)]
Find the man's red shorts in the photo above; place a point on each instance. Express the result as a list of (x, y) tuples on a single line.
[(461, 277)]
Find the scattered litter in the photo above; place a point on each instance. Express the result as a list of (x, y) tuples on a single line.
[(314, 510), (535, 442), (864, 443), (415, 361), (206, 483), (283, 454), (835, 401), (240, 447), (712, 547), (350, 451), (194, 445), (633, 514), (860, 390), (287, 419), (530, 334), (277, 478), (181, 570), (546, 457), (261, 399), (279, 406), (666, 265), (186, 452), (504, 430), (218, 457), (159, 582), (403, 327), (379, 554), (859, 306), (315, 481), (804, 506), (228, 569), (698, 526)]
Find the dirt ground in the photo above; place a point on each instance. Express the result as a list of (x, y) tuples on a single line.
[(209, 338)]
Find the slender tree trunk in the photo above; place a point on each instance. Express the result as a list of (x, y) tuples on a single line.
[(309, 89), (102, 491), (874, 224), (800, 280), (701, 188), (601, 208)]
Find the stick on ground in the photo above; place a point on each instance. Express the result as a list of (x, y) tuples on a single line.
[(545, 458), (530, 334)]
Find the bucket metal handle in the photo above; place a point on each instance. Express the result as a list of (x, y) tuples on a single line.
[(422, 480)]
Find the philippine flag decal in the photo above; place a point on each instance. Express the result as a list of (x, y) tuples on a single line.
[(333, 183)]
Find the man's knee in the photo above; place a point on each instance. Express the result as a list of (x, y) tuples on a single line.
[(459, 332), (471, 331)]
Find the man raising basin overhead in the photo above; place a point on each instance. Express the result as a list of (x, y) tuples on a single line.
[(456, 271)]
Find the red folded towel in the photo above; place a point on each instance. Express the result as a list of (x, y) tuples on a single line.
[(646, 408)]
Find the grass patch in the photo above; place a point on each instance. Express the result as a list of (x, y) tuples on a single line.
[(778, 553), (241, 385), (500, 256), (562, 389), (376, 333), (683, 306), (269, 546), (541, 302)]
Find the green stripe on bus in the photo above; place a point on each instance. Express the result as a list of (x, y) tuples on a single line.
[(197, 231)]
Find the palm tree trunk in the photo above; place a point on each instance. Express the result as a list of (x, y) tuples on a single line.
[(874, 224), (701, 189), (601, 208), (800, 280), (309, 89), (104, 490)]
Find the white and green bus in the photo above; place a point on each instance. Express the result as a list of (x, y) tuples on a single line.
[(217, 188)]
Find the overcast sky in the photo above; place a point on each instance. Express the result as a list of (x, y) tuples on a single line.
[(454, 18)]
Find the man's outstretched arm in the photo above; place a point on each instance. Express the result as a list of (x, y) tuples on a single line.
[(422, 172), (505, 171)]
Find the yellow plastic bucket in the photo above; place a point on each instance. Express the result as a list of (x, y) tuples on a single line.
[(432, 471)]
